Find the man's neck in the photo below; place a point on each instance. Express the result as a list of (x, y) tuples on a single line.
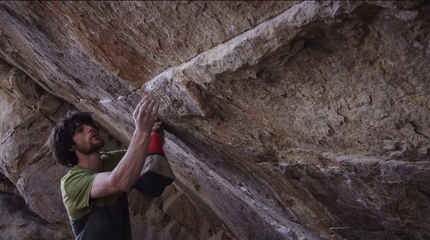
[(92, 161)]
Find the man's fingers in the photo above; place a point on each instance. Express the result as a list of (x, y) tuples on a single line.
[(150, 106), (142, 101), (145, 105), (156, 126), (155, 108), (139, 105), (147, 109)]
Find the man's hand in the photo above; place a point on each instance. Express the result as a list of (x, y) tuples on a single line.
[(158, 128), (145, 113), (157, 124)]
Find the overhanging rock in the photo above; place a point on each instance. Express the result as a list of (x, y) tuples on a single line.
[(285, 120)]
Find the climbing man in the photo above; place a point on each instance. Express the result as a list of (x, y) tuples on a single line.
[(95, 190)]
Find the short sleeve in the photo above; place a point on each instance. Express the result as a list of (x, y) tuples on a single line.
[(76, 189)]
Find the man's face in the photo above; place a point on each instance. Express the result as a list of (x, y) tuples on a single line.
[(87, 139)]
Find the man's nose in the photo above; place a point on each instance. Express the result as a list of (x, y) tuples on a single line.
[(90, 129)]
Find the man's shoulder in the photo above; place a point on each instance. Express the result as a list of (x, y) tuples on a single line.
[(76, 172), (114, 154), (111, 159), (74, 176)]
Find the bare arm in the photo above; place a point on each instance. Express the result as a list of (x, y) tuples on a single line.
[(128, 169)]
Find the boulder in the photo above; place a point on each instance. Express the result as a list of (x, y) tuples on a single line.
[(284, 120)]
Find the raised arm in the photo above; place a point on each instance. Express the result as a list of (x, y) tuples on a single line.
[(128, 169)]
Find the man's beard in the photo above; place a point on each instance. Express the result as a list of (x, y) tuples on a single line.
[(90, 148)]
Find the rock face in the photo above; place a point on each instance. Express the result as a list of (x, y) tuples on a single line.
[(284, 120)]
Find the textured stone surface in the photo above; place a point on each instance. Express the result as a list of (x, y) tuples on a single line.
[(18, 222), (180, 208), (285, 120), (25, 160)]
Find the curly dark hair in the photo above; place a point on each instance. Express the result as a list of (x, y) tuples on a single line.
[(61, 138)]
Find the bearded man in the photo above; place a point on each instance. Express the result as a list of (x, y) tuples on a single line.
[(95, 190)]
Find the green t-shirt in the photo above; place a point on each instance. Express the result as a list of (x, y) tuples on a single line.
[(95, 218)]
